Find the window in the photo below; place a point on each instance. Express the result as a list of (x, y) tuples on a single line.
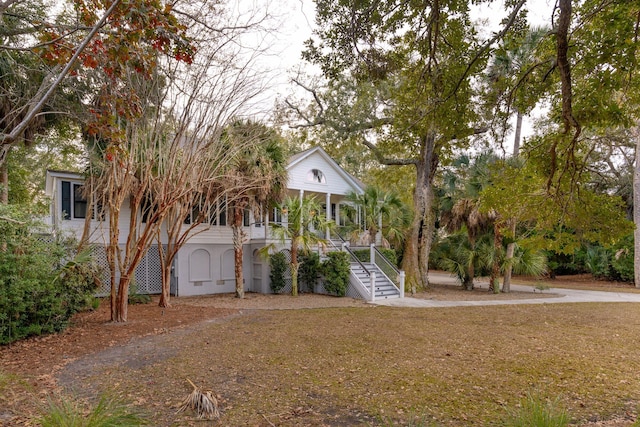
[(275, 216), (147, 207), (218, 213), (246, 218), (333, 211), (74, 204), (316, 175)]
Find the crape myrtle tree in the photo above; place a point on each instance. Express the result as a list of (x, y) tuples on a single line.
[(205, 98), (400, 82), (167, 158)]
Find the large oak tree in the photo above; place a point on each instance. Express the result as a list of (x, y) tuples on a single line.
[(401, 84)]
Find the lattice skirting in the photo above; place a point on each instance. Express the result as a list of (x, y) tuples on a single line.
[(148, 275)]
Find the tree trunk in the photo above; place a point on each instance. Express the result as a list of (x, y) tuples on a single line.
[(294, 267), (4, 183), (516, 139), (238, 238), (166, 280), (86, 229), (166, 261), (636, 210), (471, 270), (122, 299), (111, 259), (373, 231), (494, 281), (511, 246), (416, 257)]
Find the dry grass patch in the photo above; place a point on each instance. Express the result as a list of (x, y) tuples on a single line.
[(378, 365)]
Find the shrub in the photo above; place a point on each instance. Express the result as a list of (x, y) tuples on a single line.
[(336, 270), (278, 263), (622, 259), (106, 413), (608, 263), (135, 297), (42, 284), (364, 255), (309, 270)]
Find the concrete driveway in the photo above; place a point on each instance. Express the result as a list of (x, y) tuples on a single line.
[(559, 296)]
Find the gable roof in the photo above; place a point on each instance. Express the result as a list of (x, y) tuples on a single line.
[(51, 174), (299, 157)]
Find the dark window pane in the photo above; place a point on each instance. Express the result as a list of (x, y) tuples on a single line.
[(246, 218), (79, 202), (223, 213), (66, 200)]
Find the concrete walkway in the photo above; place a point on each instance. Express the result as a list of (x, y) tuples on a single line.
[(559, 296)]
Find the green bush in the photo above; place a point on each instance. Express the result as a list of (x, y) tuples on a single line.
[(309, 270), (607, 263), (135, 297), (278, 263), (42, 284), (336, 270), (106, 413), (364, 255)]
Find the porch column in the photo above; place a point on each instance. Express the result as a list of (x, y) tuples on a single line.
[(372, 286), (328, 213)]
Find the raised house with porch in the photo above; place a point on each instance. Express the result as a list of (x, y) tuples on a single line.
[(205, 264)]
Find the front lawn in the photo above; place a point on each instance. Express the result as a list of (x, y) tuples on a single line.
[(379, 366)]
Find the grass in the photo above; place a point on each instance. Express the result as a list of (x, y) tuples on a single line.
[(535, 411), (373, 366)]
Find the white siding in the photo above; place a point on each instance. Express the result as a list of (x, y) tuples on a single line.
[(335, 181)]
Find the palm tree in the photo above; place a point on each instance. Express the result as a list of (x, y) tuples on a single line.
[(303, 223), (463, 212), (259, 176), (380, 211), (509, 64), (507, 68)]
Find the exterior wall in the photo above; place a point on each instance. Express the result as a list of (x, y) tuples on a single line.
[(203, 269), (99, 230)]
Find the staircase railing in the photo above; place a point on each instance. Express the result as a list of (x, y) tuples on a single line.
[(367, 292), (385, 266), (394, 275)]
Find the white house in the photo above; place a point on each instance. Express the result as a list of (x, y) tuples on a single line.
[(205, 265)]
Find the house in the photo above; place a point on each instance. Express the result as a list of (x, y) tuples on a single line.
[(205, 264)]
